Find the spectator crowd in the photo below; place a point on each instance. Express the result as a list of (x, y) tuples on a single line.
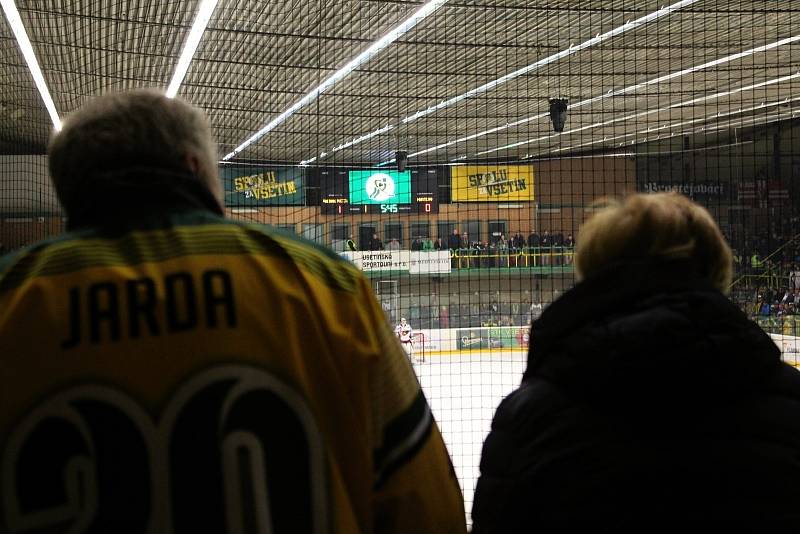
[(767, 283)]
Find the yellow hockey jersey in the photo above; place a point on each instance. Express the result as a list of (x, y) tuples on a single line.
[(203, 375)]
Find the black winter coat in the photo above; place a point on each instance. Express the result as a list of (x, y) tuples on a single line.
[(454, 241), (650, 404)]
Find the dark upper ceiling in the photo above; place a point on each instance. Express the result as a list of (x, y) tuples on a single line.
[(259, 57)]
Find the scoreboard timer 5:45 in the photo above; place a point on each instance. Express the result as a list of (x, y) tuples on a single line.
[(422, 203), (378, 191)]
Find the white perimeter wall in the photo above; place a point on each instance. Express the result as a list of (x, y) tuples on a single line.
[(790, 348), (446, 340)]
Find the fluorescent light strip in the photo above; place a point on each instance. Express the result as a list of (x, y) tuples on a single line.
[(357, 140), (645, 113), (706, 129), (733, 91), (479, 134), (683, 123), (350, 143), (363, 138), (550, 59), (353, 64), (747, 122), (631, 25), (710, 64), (606, 123), (15, 21), (717, 116), (651, 153), (610, 94), (192, 41)]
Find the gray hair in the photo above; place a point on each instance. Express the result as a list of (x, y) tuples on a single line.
[(131, 129)]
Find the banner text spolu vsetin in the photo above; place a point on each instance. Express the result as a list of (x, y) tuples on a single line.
[(263, 186), (491, 183)]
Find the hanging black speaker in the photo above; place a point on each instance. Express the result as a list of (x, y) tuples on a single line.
[(401, 158), (558, 113)]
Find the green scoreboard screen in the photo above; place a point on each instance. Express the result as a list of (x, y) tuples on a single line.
[(380, 187)]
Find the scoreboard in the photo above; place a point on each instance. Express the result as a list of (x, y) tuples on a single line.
[(339, 204), (378, 191)]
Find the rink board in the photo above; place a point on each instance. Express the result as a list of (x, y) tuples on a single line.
[(515, 340), (475, 340)]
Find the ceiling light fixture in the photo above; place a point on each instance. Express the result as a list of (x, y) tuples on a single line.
[(738, 90), (352, 65), (15, 21), (708, 65), (650, 130), (550, 59), (630, 25), (204, 13), (363, 138), (351, 143), (629, 89), (648, 112), (738, 123)]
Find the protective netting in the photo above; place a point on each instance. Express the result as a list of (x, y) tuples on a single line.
[(437, 164)]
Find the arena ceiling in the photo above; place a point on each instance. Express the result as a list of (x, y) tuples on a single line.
[(471, 80)]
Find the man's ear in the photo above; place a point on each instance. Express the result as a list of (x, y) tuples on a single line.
[(193, 162), (207, 176)]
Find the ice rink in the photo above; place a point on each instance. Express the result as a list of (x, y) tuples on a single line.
[(464, 391)]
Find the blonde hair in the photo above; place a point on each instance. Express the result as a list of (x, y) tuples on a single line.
[(135, 128), (661, 226)]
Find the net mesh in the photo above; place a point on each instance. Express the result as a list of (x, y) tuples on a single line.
[(438, 163)]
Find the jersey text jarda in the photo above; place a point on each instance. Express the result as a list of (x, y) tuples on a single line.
[(107, 311)]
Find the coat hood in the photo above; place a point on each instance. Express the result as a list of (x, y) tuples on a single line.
[(649, 335)]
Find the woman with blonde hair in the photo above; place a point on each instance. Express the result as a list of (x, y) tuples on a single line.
[(650, 402)]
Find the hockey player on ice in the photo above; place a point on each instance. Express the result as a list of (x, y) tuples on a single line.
[(404, 331)]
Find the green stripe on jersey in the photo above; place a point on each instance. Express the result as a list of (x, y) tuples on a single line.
[(402, 438), (194, 235)]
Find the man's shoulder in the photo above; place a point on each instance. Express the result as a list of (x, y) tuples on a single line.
[(186, 234), (259, 239), (33, 259)]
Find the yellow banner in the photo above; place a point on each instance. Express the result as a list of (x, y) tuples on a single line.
[(491, 183)]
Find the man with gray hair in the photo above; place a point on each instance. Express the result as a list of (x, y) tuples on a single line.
[(126, 153), (165, 369)]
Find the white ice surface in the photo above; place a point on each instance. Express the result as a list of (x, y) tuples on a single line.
[(464, 391)]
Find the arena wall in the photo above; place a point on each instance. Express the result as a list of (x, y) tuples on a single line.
[(29, 208)]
